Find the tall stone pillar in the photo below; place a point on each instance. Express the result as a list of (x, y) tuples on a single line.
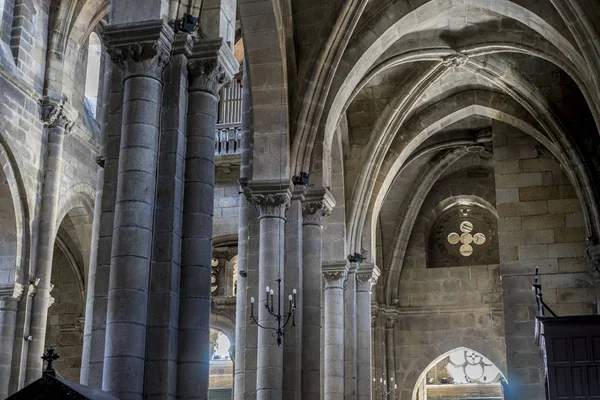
[(211, 64), (366, 277), (241, 319), (142, 50), (292, 350), (350, 334), (59, 121), (8, 321), (317, 205), (334, 276), (272, 198), (93, 264), (390, 319)]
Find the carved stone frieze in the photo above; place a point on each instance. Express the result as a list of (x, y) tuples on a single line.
[(143, 48), (56, 114)]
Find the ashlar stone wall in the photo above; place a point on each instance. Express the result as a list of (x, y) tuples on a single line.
[(540, 224)]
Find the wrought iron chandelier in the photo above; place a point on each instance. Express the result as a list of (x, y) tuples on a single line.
[(382, 387), (279, 332)]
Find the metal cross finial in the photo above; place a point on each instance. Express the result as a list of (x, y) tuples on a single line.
[(50, 357)]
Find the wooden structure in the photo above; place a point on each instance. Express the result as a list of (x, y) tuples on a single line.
[(571, 351)]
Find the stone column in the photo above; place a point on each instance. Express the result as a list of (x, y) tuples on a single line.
[(350, 334), (91, 279), (334, 276), (163, 304), (142, 50), (8, 320), (366, 277), (317, 204), (58, 122), (107, 220), (241, 318), (272, 198), (211, 64), (390, 318)]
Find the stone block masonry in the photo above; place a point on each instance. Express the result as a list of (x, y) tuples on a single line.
[(540, 224)]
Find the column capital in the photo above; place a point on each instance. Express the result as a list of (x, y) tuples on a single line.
[(374, 314), (318, 203), (10, 295), (270, 197), (592, 259), (211, 65), (335, 274), (366, 277), (390, 318), (58, 114), (140, 48)]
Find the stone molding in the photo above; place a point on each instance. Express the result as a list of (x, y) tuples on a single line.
[(270, 197), (317, 204), (58, 114), (211, 65), (335, 274), (141, 48), (592, 259), (367, 276)]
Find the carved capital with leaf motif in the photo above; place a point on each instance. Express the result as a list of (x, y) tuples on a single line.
[(58, 114), (317, 205), (211, 65), (140, 49)]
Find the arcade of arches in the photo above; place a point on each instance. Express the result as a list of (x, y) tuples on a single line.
[(404, 165)]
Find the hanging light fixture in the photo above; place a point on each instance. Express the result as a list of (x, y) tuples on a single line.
[(279, 317), (382, 387)]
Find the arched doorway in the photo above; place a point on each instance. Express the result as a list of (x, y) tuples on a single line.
[(221, 366), (69, 271), (461, 374)]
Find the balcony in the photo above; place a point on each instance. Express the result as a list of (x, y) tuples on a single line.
[(228, 135)]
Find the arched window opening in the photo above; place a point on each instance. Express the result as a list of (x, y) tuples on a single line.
[(92, 76), (221, 366), (462, 374)]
